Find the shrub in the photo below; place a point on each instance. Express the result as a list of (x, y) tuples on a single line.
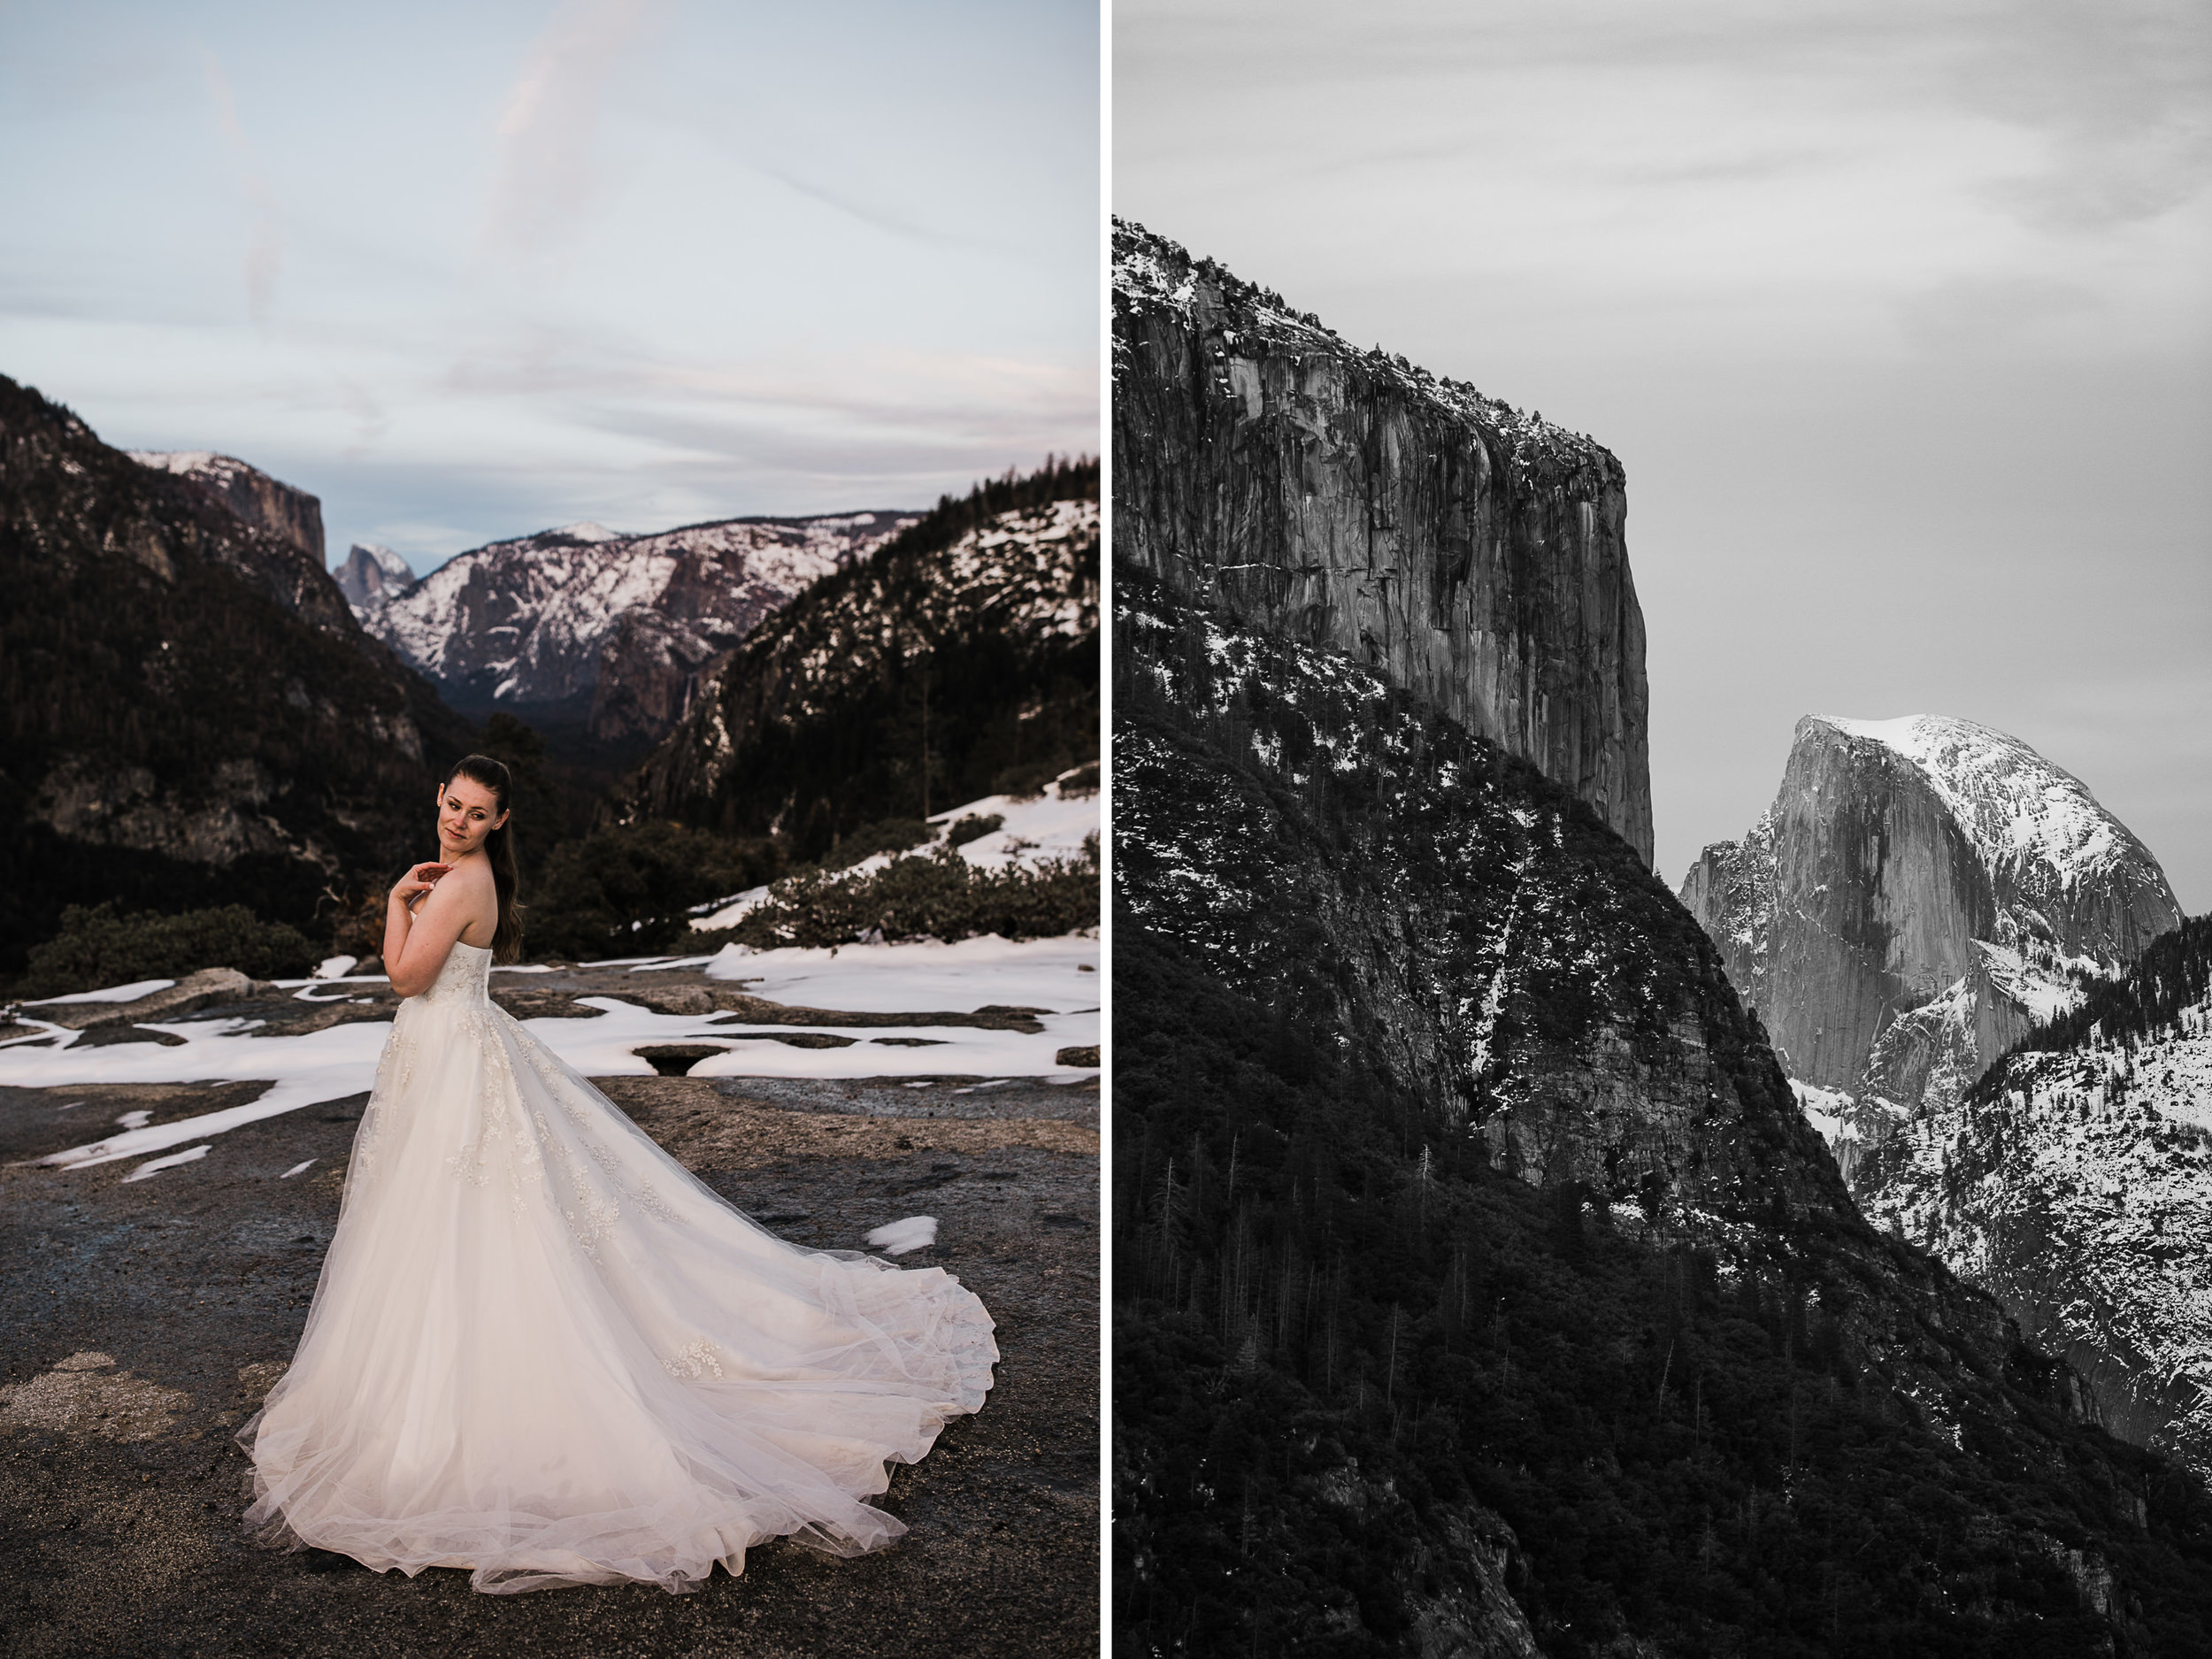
[(629, 890), (972, 827), (887, 835), (1026, 783), (937, 893), (103, 946)]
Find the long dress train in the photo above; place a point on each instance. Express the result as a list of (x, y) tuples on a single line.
[(542, 1350)]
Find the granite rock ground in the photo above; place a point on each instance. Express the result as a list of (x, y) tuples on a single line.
[(140, 1322)]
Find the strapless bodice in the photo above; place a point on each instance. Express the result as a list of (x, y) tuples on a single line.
[(465, 978)]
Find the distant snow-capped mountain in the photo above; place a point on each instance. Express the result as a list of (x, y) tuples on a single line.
[(373, 576), (593, 624)]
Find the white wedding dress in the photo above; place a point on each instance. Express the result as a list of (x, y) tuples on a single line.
[(542, 1350)]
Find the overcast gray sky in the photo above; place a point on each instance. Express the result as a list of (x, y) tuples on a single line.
[(1899, 315), (471, 271)]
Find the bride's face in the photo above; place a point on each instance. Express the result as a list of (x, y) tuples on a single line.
[(467, 812)]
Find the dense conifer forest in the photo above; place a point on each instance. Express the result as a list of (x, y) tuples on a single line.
[(1704, 1463)]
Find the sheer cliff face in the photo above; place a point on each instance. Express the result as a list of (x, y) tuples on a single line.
[(284, 559), (292, 516), (1922, 891), (1469, 553), (371, 576)]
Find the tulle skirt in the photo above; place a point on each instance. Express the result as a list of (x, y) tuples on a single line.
[(542, 1350)]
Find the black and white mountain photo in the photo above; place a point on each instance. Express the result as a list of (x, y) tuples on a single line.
[(1659, 1040), (693, 414)]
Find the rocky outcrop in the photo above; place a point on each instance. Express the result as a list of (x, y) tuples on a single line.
[(1917, 878), (1730, 889), (372, 575), (201, 989), (584, 623), (291, 515), (1925, 896), (285, 560), (1468, 552)]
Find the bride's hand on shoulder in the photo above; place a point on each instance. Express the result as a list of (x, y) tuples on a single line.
[(417, 881)]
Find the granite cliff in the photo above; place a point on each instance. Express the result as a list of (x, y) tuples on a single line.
[(1471, 553), (285, 560), (371, 575), (289, 514), (1922, 892)]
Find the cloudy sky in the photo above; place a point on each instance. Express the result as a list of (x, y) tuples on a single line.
[(1899, 315), (467, 272)]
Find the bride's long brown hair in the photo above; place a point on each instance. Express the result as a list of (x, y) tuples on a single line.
[(499, 848)]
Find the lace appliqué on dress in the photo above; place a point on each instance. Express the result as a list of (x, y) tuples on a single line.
[(497, 1117), (696, 1359)]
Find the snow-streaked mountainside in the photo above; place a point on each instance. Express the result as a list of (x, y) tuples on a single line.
[(372, 575), (1031, 831), (1496, 947), (2075, 1182), (984, 622), (551, 619)]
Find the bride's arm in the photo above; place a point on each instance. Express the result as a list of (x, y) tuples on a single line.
[(417, 941)]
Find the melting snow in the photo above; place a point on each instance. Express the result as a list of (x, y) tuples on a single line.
[(896, 1238), (341, 1060), (885, 979), (190, 1155), (129, 993)]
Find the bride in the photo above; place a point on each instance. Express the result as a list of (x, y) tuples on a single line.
[(539, 1349)]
